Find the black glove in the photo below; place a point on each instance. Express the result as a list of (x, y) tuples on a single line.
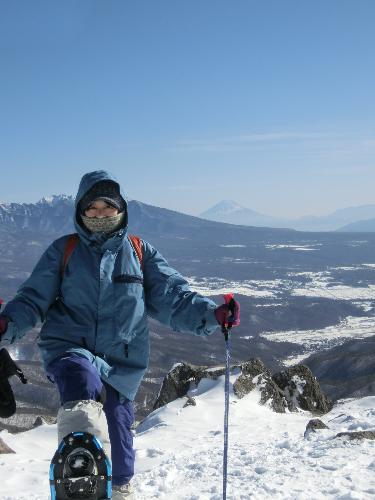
[(8, 368), (3, 325)]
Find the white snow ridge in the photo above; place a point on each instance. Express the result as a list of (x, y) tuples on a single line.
[(179, 453)]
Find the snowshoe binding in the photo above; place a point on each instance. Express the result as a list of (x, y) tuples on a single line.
[(80, 469)]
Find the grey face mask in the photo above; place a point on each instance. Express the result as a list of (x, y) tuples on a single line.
[(104, 224)]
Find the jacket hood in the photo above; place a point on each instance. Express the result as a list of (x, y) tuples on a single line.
[(87, 182)]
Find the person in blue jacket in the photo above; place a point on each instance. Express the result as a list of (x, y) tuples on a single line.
[(94, 338)]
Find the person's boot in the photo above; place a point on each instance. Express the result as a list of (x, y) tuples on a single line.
[(123, 492)]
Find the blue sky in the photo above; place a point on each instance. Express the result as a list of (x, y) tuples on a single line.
[(270, 103)]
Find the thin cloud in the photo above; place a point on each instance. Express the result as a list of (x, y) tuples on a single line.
[(194, 187), (283, 136), (326, 143), (240, 141)]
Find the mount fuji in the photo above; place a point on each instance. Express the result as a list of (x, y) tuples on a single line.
[(231, 212)]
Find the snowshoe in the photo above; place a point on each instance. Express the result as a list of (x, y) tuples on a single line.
[(80, 469)]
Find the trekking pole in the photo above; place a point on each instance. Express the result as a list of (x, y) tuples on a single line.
[(225, 328)]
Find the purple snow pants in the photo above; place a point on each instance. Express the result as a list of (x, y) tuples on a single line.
[(78, 379)]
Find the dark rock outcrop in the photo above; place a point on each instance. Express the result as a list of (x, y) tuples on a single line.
[(4, 448), (41, 420), (357, 435), (314, 425), (176, 383), (291, 389), (255, 374), (190, 402), (302, 390)]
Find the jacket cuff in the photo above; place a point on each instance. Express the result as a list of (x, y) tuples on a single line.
[(210, 322)]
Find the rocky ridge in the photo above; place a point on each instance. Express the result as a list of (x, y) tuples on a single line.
[(292, 390)]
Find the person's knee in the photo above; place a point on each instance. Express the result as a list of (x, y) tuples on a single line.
[(77, 379)]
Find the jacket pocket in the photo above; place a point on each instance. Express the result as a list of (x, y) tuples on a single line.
[(128, 278), (61, 331)]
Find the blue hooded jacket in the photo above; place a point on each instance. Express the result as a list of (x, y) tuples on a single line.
[(99, 308)]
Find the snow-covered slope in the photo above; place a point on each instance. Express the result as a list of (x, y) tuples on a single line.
[(179, 453)]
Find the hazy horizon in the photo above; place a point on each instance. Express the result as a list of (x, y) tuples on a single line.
[(277, 215)]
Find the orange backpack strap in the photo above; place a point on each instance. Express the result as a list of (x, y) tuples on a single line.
[(70, 245), (136, 243)]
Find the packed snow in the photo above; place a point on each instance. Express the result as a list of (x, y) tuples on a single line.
[(233, 246), (338, 292), (298, 248), (179, 453)]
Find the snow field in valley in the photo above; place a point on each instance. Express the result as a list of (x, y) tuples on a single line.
[(322, 285), (179, 453), (316, 340)]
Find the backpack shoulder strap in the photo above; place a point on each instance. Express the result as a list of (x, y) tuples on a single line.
[(70, 245), (136, 243), (73, 240)]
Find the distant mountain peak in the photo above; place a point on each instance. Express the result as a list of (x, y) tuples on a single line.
[(230, 211), (227, 207), (55, 199)]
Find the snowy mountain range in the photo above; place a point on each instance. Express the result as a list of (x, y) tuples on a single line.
[(53, 213), (50, 214), (356, 219)]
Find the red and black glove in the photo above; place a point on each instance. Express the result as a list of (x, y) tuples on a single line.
[(228, 313)]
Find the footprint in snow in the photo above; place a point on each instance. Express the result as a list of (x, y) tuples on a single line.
[(149, 453), (260, 470), (153, 452)]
